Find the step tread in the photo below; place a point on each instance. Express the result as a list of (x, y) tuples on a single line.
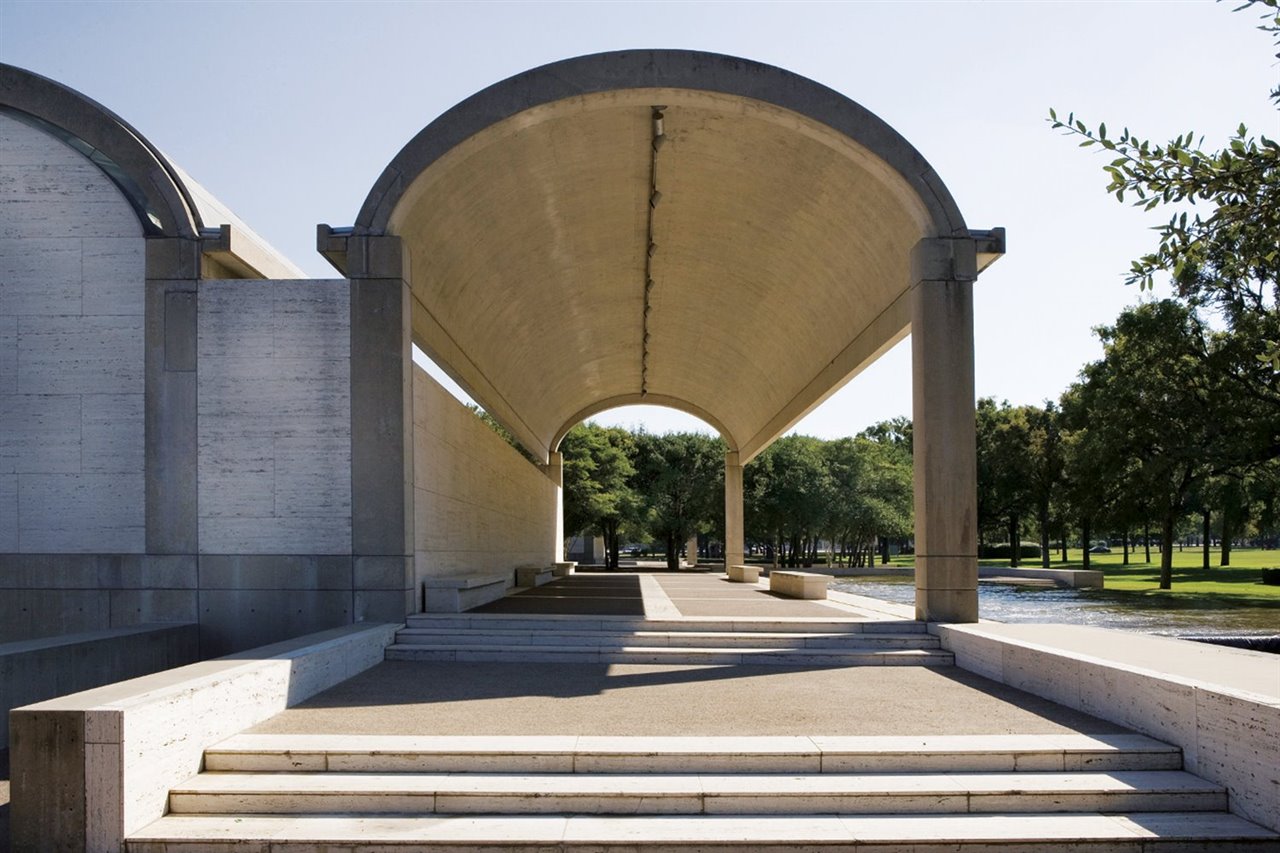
[(743, 831)]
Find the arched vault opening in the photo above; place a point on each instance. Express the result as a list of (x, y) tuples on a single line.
[(682, 228)]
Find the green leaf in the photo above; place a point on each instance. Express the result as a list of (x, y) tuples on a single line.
[(1053, 114), (1102, 130)]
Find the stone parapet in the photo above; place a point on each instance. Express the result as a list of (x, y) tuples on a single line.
[(1221, 706), (92, 767)]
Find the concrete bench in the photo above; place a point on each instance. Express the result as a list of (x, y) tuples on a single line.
[(533, 575), (744, 574), (456, 594), (798, 584), (563, 570)]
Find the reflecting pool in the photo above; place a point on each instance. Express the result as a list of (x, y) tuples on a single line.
[(1149, 614)]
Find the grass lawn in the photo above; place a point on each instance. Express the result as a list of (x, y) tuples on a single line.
[(1241, 582)]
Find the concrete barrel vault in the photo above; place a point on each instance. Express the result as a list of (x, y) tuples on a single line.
[(674, 228)]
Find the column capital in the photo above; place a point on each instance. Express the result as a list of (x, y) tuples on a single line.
[(956, 258), (172, 258), (363, 255), (731, 457), (944, 259), (554, 467)]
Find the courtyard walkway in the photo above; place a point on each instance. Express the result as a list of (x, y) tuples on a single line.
[(630, 710), (497, 698)]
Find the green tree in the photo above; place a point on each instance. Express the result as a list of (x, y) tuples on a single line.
[(790, 495), (1155, 415), (870, 496), (680, 480), (1046, 463), (1004, 471), (597, 484)]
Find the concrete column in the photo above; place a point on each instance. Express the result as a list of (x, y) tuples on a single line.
[(945, 455), (382, 518), (733, 536), (691, 550), (171, 440), (554, 470)]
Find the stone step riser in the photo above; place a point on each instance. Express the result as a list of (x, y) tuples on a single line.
[(464, 762), (603, 754), (517, 622), (675, 803), (721, 657), (446, 637)]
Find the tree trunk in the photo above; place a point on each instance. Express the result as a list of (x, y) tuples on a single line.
[(673, 551), (1126, 546), (1084, 540), (1205, 544), (1166, 550), (1044, 538), (1146, 538), (1064, 541), (1015, 542), (1227, 533)]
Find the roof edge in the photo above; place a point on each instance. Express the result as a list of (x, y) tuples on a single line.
[(143, 174), (656, 68)]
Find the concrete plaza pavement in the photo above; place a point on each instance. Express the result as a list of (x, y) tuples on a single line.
[(403, 697)]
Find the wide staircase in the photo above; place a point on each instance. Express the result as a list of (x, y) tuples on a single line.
[(286, 793), (796, 641)]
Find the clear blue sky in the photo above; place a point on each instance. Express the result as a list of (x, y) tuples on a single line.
[(288, 111)]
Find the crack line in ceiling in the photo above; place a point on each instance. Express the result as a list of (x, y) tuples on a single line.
[(650, 246)]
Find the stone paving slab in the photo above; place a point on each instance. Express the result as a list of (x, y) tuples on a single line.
[(418, 698)]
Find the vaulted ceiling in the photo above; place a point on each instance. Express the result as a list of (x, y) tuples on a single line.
[(663, 227)]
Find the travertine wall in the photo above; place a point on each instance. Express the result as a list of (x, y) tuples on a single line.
[(480, 507), (72, 262), (274, 417)]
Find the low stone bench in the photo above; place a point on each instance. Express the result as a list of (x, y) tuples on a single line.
[(798, 584), (563, 570), (533, 575), (744, 574), (456, 594)]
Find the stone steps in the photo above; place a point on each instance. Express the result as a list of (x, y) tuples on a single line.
[(293, 793), (705, 793), (598, 639)]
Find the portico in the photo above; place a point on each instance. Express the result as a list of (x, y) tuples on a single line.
[(558, 241)]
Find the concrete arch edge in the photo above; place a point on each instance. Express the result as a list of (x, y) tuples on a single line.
[(645, 400), (647, 69), (146, 177)]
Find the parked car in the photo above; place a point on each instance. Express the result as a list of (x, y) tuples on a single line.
[(1100, 548)]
